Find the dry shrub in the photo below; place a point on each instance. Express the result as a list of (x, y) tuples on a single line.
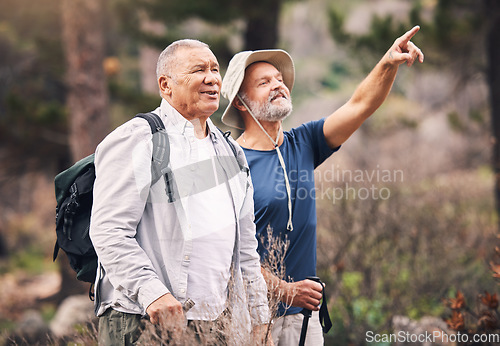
[(275, 249), (403, 254), (233, 327)]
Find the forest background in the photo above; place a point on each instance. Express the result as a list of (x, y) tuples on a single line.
[(407, 215)]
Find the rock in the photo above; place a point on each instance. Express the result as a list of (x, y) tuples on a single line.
[(428, 331), (31, 330), (73, 311)]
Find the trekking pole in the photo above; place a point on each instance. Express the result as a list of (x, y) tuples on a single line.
[(307, 315)]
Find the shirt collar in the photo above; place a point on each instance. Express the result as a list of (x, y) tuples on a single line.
[(178, 121)]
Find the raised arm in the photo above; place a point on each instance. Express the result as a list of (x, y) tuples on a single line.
[(372, 92)]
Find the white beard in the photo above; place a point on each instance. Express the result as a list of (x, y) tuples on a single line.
[(269, 111)]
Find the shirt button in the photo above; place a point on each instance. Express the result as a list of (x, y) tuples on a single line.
[(186, 258), (182, 290)]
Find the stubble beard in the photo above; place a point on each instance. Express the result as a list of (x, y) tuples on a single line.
[(269, 111)]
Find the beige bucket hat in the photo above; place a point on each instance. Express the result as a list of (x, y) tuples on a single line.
[(236, 72)]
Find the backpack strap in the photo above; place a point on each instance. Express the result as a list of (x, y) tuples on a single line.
[(153, 120), (231, 145), (161, 152), (226, 136)]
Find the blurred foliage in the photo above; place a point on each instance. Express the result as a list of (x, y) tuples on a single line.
[(481, 320), (31, 260), (172, 14), (32, 113), (452, 37), (256, 20), (404, 254), (370, 47), (337, 72), (222, 11), (353, 312), (454, 34)]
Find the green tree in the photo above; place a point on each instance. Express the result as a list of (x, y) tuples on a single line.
[(32, 91), (261, 19), (492, 8), (87, 91)]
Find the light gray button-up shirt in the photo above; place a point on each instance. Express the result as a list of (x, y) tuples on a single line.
[(143, 241)]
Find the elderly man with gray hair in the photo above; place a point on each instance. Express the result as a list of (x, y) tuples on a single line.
[(189, 238), (258, 85)]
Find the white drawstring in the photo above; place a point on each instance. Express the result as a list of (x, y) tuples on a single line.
[(289, 225)]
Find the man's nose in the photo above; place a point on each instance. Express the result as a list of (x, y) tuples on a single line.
[(277, 84), (213, 78)]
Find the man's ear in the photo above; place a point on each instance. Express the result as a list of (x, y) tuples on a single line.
[(164, 84), (238, 104)]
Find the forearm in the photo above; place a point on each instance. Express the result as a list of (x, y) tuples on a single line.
[(304, 293), (373, 90), (367, 97), (277, 287)]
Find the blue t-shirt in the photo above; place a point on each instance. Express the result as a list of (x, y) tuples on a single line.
[(303, 149)]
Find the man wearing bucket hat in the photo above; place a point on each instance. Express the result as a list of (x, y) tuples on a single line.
[(258, 85)]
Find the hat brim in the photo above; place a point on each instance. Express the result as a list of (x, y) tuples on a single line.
[(235, 75)]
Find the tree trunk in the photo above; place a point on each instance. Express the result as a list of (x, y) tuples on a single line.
[(493, 56), (87, 100), (262, 25), (87, 96)]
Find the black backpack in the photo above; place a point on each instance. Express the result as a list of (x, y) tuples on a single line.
[(74, 188)]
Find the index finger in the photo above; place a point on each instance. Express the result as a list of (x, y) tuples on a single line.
[(410, 33)]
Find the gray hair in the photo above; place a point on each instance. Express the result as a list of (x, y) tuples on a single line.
[(166, 61)]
